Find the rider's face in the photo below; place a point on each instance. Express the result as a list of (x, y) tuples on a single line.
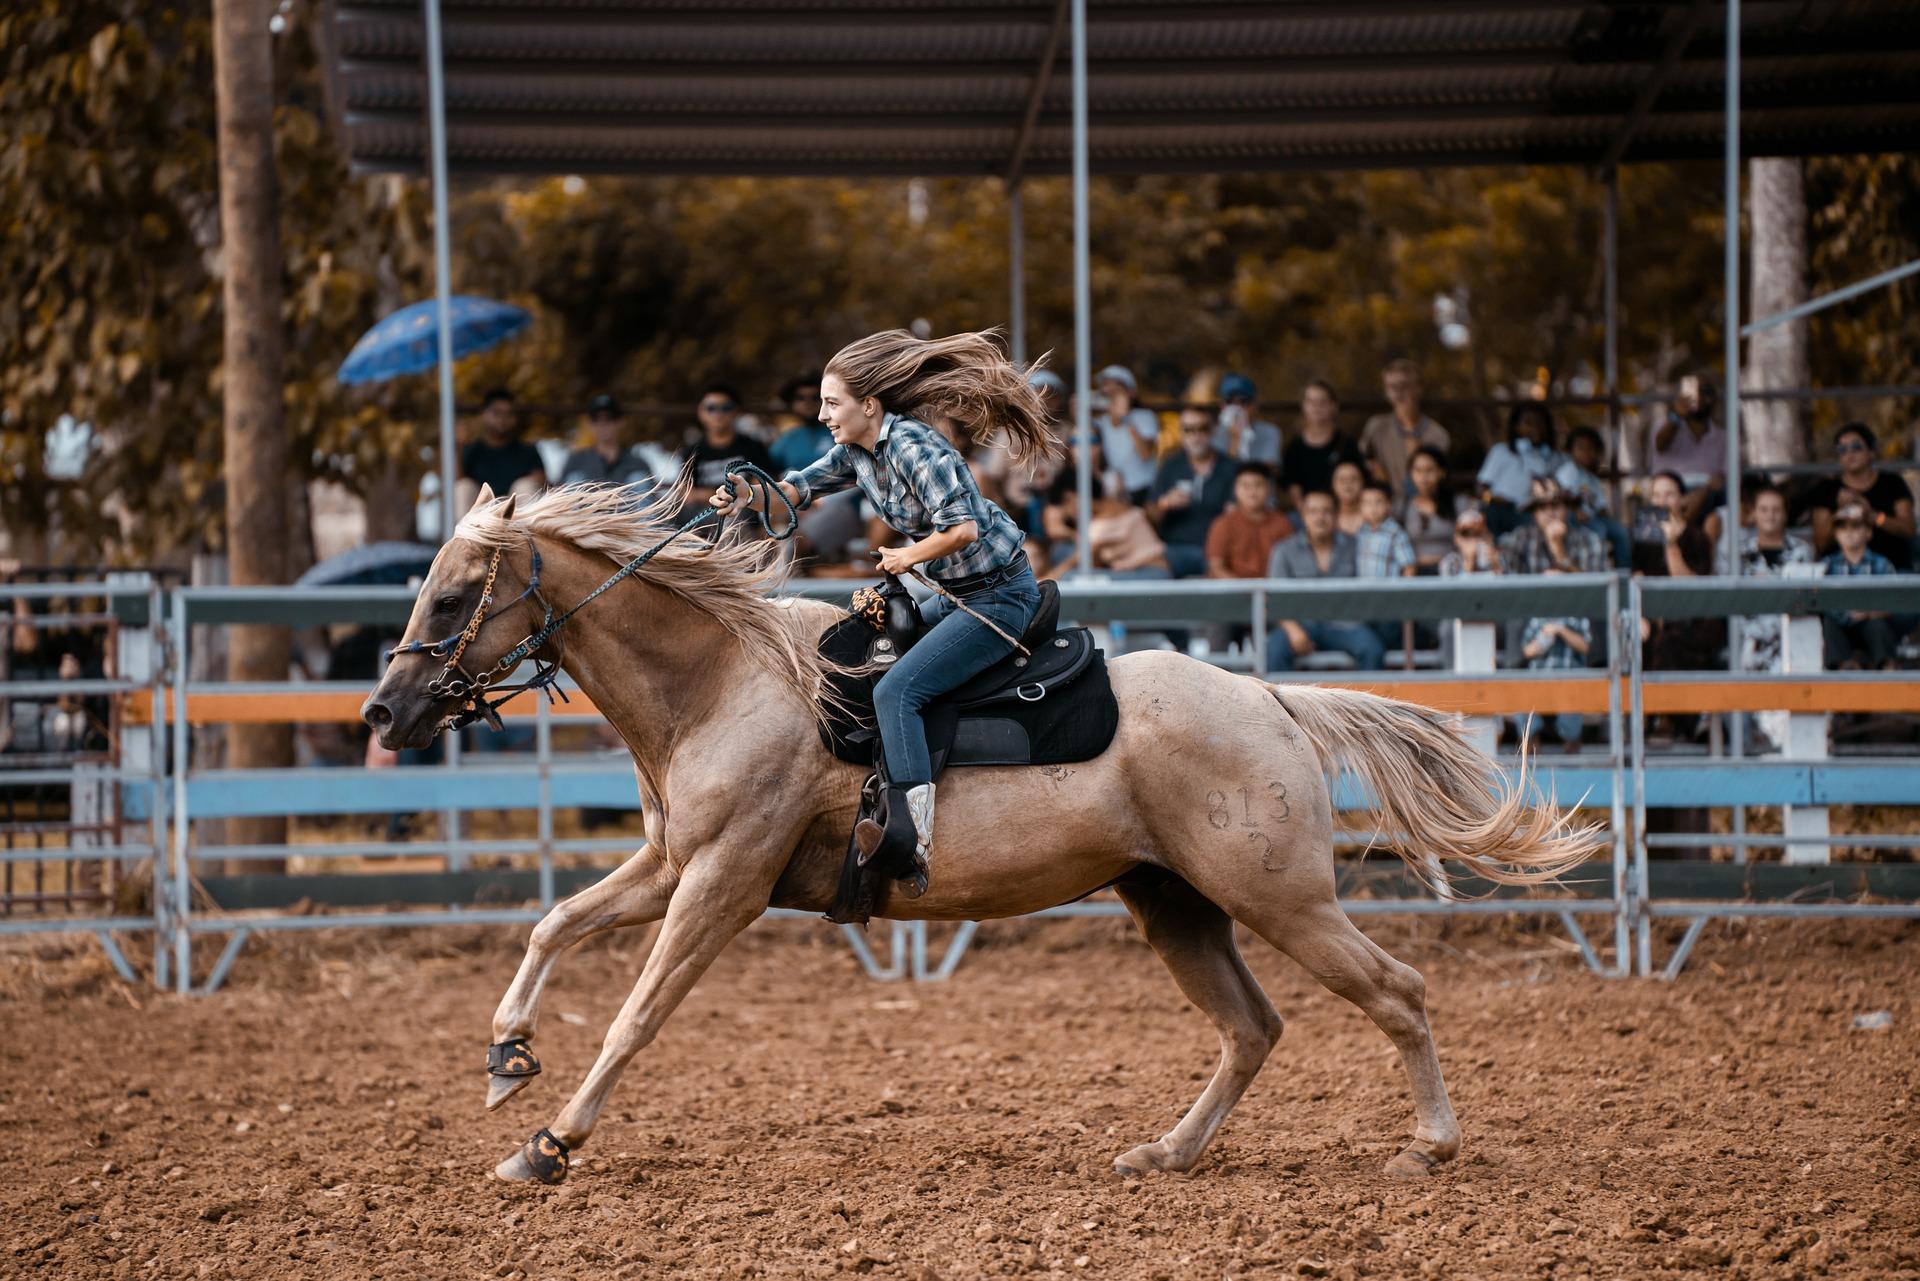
[(848, 417)]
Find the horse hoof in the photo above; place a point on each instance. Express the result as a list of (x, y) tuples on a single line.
[(1140, 1162), (516, 1169), (502, 1088), (1414, 1163), (541, 1159)]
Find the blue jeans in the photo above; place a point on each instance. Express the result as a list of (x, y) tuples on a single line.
[(957, 649), (1187, 560), (1358, 640), (1616, 535), (1567, 726)]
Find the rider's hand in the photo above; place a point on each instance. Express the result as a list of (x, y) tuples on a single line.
[(894, 560), (730, 497)]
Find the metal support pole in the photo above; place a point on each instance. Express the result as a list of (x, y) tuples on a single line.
[(1636, 908), (1016, 276), (1610, 275), (1730, 532), (442, 258), (1082, 299), (1730, 265), (1616, 764), (177, 888)]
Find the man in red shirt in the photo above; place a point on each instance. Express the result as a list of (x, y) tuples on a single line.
[(1242, 537)]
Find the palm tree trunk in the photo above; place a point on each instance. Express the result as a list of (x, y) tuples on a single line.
[(1777, 357)]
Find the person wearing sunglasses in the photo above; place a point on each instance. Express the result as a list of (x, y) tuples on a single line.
[(1889, 506), (719, 442)]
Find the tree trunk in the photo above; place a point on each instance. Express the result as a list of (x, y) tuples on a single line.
[(255, 429), (1777, 357)]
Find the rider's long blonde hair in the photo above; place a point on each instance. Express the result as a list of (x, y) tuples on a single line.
[(965, 377)]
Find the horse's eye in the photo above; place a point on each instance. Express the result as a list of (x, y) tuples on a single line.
[(447, 604)]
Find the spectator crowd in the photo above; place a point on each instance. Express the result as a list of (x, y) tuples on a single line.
[(1213, 488)]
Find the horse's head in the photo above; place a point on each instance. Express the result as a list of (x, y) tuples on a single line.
[(431, 671)]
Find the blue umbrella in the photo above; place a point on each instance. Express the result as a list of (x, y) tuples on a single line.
[(407, 342), (372, 564)]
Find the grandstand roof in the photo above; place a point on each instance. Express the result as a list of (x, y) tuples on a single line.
[(937, 87)]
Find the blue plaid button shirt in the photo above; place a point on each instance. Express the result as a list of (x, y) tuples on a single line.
[(919, 484), (1383, 550), (1838, 566)]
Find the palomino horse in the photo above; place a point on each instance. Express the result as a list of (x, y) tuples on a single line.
[(1210, 807)]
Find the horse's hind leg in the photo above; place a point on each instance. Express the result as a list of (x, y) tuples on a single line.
[(632, 894), (1195, 940), (1393, 995)]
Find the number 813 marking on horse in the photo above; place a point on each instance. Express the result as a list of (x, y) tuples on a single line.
[(1220, 815)]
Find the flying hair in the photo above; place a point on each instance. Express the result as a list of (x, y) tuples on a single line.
[(965, 377)]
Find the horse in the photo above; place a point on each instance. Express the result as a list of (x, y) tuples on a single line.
[(1211, 806)]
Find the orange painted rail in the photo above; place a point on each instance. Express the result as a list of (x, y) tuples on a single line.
[(1473, 695)]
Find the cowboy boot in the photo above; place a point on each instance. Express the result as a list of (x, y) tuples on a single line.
[(887, 833), (920, 805)]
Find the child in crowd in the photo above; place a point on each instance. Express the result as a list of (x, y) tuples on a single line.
[(1578, 474), (1552, 644), (1857, 637), (1383, 550)]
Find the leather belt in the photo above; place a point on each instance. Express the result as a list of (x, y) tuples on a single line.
[(974, 583)]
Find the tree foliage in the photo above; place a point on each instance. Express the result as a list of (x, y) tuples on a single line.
[(649, 287)]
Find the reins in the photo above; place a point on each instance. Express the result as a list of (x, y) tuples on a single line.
[(455, 682)]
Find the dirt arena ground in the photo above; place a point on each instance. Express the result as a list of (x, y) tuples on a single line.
[(321, 1117)]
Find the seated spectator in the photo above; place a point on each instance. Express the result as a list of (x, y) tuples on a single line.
[(803, 439), (1388, 440), (1427, 513), (1382, 548), (1349, 481), (1308, 460), (1550, 644), (1129, 434), (1688, 441), (1659, 524), (1888, 504), (1243, 435), (1190, 489), (1578, 474), (1242, 537), (1319, 550), (717, 443), (1767, 550), (1473, 548), (1060, 516), (1122, 541), (1506, 477), (1550, 543), (1857, 637), (608, 460), (499, 458)]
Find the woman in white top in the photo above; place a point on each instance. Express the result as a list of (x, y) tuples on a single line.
[(1129, 435)]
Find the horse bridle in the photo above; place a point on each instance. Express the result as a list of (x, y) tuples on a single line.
[(469, 691)]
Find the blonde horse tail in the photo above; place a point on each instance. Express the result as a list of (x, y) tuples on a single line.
[(1430, 786)]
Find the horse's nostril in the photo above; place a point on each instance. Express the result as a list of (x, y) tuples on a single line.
[(377, 715)]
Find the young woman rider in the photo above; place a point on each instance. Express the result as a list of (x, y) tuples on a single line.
[(922, 489)]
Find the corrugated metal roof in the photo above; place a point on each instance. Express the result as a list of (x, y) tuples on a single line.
[(941, 86)]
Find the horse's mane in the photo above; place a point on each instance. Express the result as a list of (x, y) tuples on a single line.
[(731, 579)]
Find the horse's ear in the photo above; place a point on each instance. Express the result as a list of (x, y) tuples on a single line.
[(481, 499), (506, 512)]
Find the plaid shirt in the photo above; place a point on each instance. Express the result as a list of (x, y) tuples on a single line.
[(1525, 551), (919, 483), (1838, 566), (1383, 550), (1558, 654)]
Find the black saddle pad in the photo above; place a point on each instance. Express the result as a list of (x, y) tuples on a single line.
[(1052, 709)]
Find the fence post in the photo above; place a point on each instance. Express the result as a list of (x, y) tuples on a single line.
[(1801, 651), (1475, 645)]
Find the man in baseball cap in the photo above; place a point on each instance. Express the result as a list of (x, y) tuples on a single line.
[(607, 459)]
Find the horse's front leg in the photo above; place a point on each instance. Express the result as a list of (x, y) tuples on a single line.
[(716, 899), (632, 894)]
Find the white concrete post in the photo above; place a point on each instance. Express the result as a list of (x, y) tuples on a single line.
[(1475, 647), (1801, 652)]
